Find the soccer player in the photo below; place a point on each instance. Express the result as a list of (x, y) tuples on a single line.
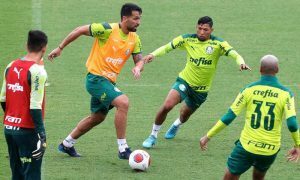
[(265, 101), (22, 100), (113, 45), (194, 81)]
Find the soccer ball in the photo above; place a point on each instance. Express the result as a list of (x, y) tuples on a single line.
[(139, 160)]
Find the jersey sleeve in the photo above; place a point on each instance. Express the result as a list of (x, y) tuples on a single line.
[(178, 42), (239, 103), (3, 89), (38, 80), (226, 48), (289, 107), (100, 30), (138, 46)]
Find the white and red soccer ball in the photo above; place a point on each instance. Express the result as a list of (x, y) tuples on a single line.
[(139, 160)]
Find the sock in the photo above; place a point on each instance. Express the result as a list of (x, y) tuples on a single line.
[(177, 122), (155, 130), (122, 144), (69, 141)]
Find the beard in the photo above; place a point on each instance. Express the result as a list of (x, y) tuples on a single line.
[(132, 29)]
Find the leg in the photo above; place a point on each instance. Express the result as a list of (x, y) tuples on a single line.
[(122, 104), (192, 102), (172, 100), (87, 124), (185, 113), (258, 175), (261, 165), (14, 158), (229, 176), (31, 167), (238, 162)]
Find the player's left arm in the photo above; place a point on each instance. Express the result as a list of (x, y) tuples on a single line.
[(138, 59), (234, 110), (290, 113), (229, 51), (38, 80)]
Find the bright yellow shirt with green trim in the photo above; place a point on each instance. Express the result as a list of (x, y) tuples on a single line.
[(202, 58), (111, 49), (266, 103)]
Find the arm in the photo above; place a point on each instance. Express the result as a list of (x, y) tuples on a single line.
[(229, 51), (79, 31), (294, 153), (3, 89), (38, 79), (234, 110), (158, 52), (293, 128), (139, 65), (239, 60), (177, 42), (3, 94), (218, 127)]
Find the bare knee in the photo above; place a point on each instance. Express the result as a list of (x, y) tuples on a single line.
[(168, 106), (258, 175), (122, 103), (97, 118), (229, 176)]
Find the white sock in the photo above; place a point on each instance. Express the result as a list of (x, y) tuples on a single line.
[(177, 122), (69, 141), (155, 130), (122, 144)]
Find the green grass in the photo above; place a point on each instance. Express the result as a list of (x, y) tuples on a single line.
[(254, 28)]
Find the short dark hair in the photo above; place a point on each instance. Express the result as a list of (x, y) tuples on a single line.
[(206, 20), (127, 9), (36, 40)]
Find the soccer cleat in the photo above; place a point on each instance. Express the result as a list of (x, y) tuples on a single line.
[(125, 154), (149, 142), (69, 150), (171, 133)]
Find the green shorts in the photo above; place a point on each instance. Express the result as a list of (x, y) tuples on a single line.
[(241, 160), (192, 98), (103, 92)]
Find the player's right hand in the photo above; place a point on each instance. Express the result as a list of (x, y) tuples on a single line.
[(40, 146), (55, 53), (203, 143), (149, 58)]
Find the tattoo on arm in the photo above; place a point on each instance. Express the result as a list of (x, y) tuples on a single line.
[(137, 57)]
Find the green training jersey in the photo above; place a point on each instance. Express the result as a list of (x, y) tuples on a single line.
[(266, 102), (202, 59)]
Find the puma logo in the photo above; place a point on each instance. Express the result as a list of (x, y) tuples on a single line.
[(18, 72)]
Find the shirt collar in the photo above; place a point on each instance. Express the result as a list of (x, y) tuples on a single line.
[(269, 78)]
